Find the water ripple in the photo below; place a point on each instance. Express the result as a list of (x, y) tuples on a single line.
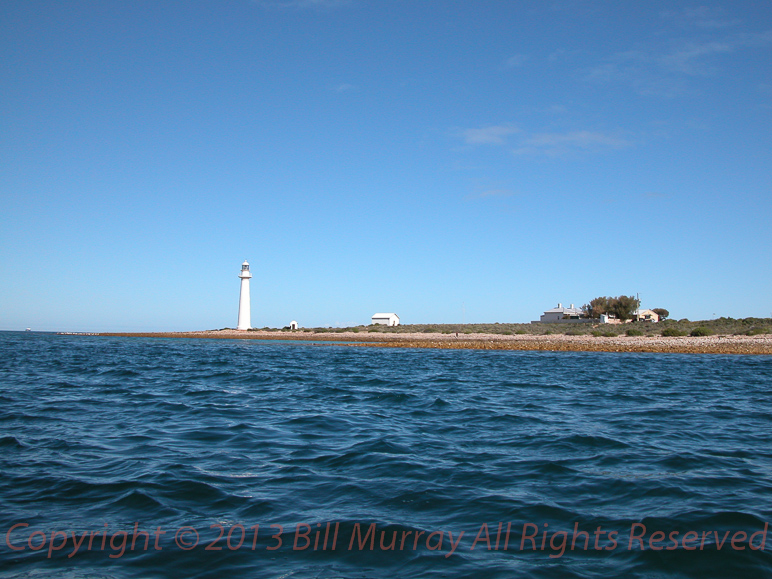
[(99, 435)]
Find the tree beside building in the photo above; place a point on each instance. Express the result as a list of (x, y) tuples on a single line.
[(620, 307), (662, 313)]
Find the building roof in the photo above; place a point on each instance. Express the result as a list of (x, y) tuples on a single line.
[(562, 310), (385, 315)]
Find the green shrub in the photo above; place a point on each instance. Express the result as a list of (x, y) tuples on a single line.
[(521, 332), (573, 333), (610, 334), (671, 332), (634, 332), (597, 333), (507, 333), (701, 331), (757, 331)]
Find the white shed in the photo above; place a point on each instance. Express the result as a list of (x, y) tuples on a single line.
[(386, 319), (293, 325)]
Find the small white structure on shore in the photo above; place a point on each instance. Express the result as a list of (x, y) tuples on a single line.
[(245, 316), (293, 325), (386, 319), (561, 314)]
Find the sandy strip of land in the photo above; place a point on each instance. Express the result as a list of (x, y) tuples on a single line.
[(761, 344)]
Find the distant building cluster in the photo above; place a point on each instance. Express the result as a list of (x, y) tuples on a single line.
[(556, 315), (572, 315)]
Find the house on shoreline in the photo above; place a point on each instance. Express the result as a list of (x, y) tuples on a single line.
[(562, 315), (572, 315), (638, 316), (645, 316)]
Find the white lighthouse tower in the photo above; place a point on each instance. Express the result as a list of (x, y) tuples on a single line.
[(245, 317)]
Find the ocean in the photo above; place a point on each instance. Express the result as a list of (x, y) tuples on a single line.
[(149, 457)]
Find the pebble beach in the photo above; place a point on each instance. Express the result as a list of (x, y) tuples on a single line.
[(719, 344)]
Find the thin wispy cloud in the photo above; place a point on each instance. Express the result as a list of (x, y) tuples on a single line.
[(555, 109), (344, 87), (562, 55), (493, 135), (490, 193), (301, 4), (691, 59), (667, 72), (495, 193), (554, 144), (755, 39), (636, 70), (704, 17), (515, 61)]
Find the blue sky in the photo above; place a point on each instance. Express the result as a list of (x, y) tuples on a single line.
[(446, 160)]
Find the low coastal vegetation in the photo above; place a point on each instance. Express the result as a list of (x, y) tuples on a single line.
[(701, 331), (673, 332), (683, 327)]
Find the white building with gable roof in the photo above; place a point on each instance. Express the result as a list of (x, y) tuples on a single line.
[(386, 319)]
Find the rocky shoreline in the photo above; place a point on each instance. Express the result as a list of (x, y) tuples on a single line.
[(721, 344)]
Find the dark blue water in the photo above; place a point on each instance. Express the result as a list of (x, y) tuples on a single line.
[(447, 463)]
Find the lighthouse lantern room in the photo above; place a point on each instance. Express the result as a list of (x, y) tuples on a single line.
[(245, 318)]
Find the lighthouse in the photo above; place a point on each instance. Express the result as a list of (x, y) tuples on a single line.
[(245, 318)]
